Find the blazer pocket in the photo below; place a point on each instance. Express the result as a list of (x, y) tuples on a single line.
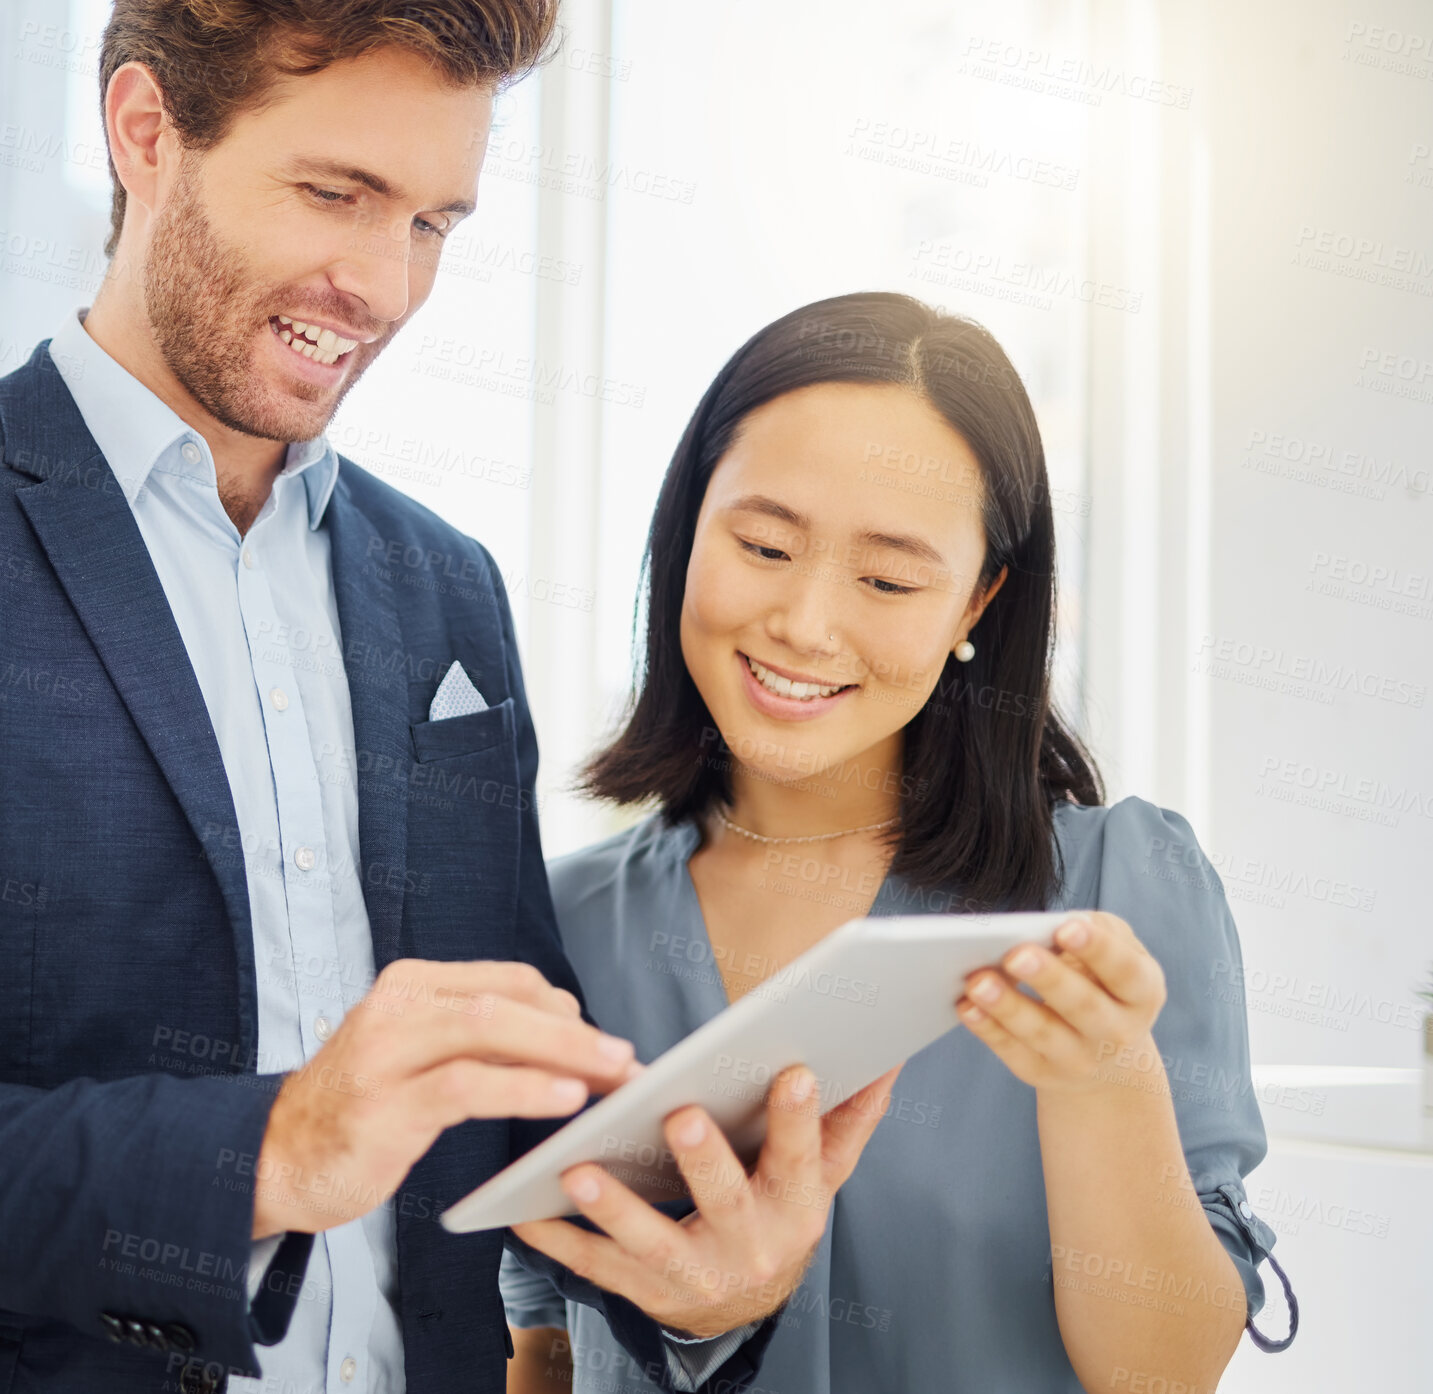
[(464, 735)]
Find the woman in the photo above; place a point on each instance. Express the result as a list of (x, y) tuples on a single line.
[(845, 710)]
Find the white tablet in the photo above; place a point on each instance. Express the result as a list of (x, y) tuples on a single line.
[(867, 997)]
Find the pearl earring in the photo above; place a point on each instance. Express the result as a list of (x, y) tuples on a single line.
[(965, 651)]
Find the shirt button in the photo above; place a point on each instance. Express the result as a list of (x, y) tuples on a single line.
[(348, 1369), (323, 1029), (280, 699), (1246, 1210), (304, 858), (249, 561), (190, 451)]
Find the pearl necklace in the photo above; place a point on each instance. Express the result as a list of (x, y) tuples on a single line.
[(818, 837)]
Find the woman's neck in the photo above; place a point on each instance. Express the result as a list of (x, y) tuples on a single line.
[(855, 793)]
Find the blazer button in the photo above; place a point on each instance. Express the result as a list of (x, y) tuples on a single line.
[(196, 1379), (180, 1338), (113, 1327)]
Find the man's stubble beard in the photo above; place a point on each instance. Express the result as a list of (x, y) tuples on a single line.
[(204, 306)]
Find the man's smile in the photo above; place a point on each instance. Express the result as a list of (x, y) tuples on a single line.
[(310, 341)]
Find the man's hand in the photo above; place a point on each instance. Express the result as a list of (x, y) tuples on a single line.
[(431, 1045), (742, 1252)]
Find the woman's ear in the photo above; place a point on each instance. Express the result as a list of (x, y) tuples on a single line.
[(990, 591), (977, 605)]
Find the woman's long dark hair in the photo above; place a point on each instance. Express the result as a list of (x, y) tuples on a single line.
[(986, 757)]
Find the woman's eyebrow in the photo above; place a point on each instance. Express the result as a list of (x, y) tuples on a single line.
[(911, 545), (908, 543), (760, 503)]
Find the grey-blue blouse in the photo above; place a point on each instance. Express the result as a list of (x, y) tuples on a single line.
[(935, 1272)]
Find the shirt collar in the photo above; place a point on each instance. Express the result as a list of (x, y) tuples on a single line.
[(134, 429)]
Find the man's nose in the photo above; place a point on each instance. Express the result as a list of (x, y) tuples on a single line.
[(376, 267)]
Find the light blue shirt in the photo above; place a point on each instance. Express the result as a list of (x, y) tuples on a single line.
[(259, 620)]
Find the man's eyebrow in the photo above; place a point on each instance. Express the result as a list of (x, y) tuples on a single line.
[(908, 543), (336, 169)]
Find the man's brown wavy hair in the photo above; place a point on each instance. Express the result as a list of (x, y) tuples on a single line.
[(214, 59)]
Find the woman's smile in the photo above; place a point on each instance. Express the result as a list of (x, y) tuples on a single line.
[(775, 694)]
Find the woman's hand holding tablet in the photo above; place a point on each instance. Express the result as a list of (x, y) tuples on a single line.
[(1100, 992)]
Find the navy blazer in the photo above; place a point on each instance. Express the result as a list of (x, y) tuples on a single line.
[(126, 1186)]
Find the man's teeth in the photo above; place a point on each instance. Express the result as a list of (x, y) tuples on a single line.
[(322, 345), (784, 687)]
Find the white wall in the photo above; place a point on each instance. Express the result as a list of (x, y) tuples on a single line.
[(1260, 466), (1253, 459)]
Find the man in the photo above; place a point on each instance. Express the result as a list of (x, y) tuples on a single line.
[(281, 978)]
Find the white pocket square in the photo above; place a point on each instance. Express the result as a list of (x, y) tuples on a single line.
[(456, 696)]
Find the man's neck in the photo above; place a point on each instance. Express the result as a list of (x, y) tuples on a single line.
[(245, 466)]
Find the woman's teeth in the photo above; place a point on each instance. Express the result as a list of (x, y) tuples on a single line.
[(784, 687), (322, 345)]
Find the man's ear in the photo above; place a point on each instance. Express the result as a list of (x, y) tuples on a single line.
[(137, 129)]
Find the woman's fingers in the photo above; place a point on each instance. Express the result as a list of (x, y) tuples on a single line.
[(1073, 994), (1098, 986), (1109, 947), (1030, 1022), (1023, 1062)]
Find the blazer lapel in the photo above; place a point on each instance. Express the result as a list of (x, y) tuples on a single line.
[(374, 658), (88, 531)]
